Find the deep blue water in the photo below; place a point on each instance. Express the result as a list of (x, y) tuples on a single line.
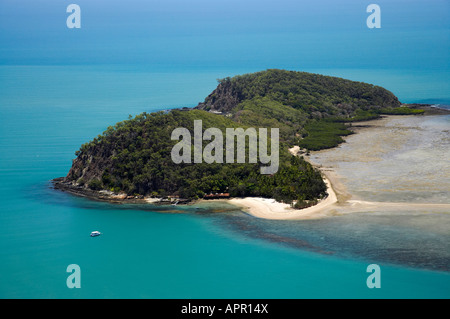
[(60, 88)]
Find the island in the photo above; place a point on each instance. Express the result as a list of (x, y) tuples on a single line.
[(131, 161)]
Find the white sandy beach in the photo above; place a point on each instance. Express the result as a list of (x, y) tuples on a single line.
[(271, 209)]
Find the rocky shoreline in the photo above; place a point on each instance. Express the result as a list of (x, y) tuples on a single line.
[(107, 196)]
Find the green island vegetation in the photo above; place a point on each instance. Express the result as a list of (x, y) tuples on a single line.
[(310, 110), (322, 134), (327, 133), (134, 157)]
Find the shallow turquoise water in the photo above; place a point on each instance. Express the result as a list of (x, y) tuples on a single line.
[(46, 116)]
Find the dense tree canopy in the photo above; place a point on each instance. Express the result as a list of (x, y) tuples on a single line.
[(134, 157)]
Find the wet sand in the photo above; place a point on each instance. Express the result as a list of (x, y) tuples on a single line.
[(397, 163)]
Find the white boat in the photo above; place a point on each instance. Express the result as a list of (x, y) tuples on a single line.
[(95, 233)]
